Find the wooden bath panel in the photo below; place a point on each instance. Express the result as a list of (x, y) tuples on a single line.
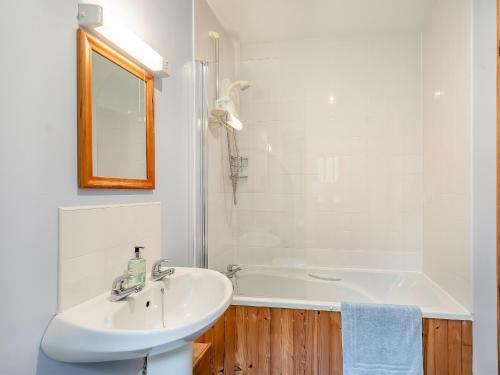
[(274, 341)]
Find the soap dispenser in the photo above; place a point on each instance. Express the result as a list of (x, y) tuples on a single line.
[(137, 269)]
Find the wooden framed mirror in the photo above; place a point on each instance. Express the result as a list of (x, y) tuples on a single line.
[(116, 146)]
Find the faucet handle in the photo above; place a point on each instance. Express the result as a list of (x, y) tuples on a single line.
[(157, 273), (118, 282), (157, 265)]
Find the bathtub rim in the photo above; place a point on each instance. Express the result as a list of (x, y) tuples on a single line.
[(305, 304), (300, 304)]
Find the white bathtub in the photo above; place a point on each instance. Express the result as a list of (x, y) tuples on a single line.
[(320, 289)]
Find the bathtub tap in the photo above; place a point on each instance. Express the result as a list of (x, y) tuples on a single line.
[(231, 270)]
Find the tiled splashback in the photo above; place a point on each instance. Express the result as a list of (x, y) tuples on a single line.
[(96, 243), (333, 134)]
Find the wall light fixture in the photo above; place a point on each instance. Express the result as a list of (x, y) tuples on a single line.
[(91, 17)]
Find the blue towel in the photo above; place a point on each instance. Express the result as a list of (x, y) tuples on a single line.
[(381, 339)]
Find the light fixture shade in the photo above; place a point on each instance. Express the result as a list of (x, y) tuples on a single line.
[(92, 18)]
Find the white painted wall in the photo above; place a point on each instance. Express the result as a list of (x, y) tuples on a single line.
[(39, 166), (484, 188), (264, 20), (447, 107)]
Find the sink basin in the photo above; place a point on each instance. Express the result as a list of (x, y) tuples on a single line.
[(162, 318)]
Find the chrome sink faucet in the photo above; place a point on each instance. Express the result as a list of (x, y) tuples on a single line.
[(119, 289), (231, 270), (157, 273)]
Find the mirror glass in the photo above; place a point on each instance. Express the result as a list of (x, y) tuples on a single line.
[(118, 121)]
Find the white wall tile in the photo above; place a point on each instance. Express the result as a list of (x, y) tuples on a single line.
[(342, 168), (353, 161), (96, 242)]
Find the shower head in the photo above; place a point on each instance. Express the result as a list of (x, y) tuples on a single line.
[(242, 85)]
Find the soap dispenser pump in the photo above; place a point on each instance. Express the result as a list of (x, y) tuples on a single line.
[(137, 269)]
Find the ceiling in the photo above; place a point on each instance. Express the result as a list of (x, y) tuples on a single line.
[(277, 20)]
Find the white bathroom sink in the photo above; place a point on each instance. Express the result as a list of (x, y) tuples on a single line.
[(100, 330)]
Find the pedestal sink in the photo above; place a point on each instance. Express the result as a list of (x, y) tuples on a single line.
[(160, 323)]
